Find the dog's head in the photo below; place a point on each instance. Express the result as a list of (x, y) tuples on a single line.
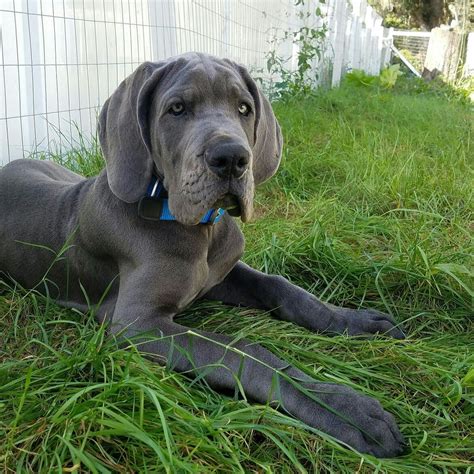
[(199, 122)]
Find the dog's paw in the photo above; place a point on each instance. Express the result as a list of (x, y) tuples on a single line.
[(365, 322), (353, 418), (370, 321), (367, 426)]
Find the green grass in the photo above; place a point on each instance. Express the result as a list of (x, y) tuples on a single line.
[(372, 207)]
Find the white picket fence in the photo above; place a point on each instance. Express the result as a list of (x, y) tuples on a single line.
[(357, 39), (61, 59)]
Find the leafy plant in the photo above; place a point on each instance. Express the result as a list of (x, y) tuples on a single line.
[(387, 79), (358, 77), (388, 76)]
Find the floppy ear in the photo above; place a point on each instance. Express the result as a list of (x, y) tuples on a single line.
[(124, 132), (268, 140)]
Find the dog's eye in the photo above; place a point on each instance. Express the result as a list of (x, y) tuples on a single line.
[(244, 109), (177, 108)]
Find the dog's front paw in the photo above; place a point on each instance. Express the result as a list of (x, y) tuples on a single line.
[(367, 426), (351, 417), (370, 321), (358, 322)]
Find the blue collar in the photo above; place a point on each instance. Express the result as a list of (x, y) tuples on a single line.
[(154, 205)]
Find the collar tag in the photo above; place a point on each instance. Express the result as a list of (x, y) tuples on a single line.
[(150, 208)]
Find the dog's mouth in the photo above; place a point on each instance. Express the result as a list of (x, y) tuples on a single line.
[(231, 203)]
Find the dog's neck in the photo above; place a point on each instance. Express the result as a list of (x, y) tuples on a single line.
[(154, 205)]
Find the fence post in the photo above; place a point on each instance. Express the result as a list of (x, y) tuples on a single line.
[(357, 35), (469, 64), (349, 40), (377, 43), (386, 46), (363, 37), (444, 53), (339, 36)]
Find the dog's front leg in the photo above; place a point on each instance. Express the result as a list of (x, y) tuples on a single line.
[(232, 365), (248, 287)]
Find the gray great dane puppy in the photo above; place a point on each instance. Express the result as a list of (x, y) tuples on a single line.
[(202, 126)]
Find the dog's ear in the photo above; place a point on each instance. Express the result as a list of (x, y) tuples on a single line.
[(124, 132), (268, 141)]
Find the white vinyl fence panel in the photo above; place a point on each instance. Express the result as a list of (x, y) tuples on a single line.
[(61, 59)]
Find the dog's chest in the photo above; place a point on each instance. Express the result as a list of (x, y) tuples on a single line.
[(177, 263), (225, 250)]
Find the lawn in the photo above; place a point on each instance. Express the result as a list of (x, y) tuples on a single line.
[(372, 207)]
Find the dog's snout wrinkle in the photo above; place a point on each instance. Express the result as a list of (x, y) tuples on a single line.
[(228, 160)]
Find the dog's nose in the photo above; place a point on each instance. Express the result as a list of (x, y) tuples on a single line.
[(228, 159)]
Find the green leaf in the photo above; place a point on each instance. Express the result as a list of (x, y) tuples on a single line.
[(468, 380), (388, 76), (360, 78)]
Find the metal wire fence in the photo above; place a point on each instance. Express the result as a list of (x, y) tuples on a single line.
[(414, 45), (61, 59)]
